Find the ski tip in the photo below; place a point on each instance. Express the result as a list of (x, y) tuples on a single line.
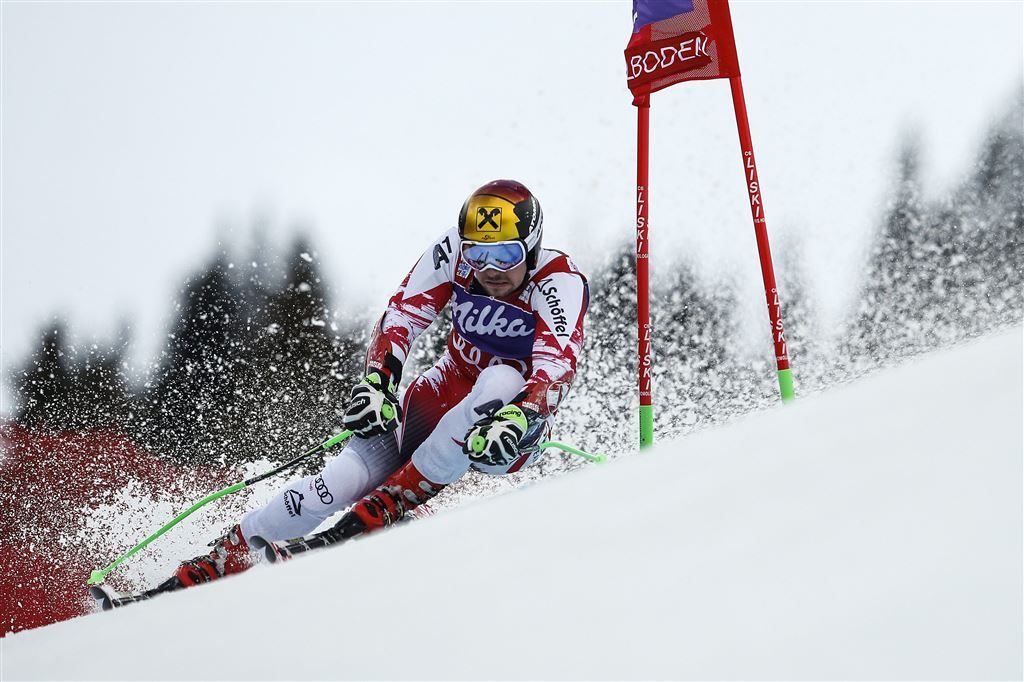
[(261, 545), (103, 598)]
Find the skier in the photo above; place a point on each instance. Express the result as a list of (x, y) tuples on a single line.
[(487, 403)]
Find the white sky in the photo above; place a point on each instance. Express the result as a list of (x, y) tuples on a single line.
[(137, 136)]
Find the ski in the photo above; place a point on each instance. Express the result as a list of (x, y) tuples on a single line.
[(283, 552), (107, 598), (348, 528)]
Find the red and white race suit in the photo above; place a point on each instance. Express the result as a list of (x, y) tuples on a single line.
[(522, 348), (537, 331)]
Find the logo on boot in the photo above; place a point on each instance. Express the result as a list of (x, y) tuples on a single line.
[(293, 503)]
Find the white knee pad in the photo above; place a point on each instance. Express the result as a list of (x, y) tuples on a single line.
[(440, 457), (497, 384)]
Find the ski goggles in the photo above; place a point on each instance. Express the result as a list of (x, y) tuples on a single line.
[(502, 256)]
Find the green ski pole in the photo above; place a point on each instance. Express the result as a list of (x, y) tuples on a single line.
[(580, 453), (99, 575)]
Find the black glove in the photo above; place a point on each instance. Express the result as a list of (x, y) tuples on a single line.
[(494, 440), (373, 408)]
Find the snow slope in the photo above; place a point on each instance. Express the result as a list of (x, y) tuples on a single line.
[(871, 532)]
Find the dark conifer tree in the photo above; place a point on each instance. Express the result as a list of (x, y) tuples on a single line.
[(604, 396), (692, 324), (889, 299), (813, 357), (350, 340), (101, 395), (992, 214), (953, 269), (193, 399), (300, 356), (45, 382), (258, 277)]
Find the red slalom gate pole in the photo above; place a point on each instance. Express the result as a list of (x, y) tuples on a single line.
[(643, 318), (761, 233)]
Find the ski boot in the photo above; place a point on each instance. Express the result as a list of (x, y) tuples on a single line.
[(404, 490), (231, 554)]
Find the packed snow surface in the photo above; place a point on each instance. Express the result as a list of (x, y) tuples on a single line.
[(873, 531)]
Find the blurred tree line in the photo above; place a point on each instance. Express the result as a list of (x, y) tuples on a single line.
[(937, 273), (952, 268), (254, 365)]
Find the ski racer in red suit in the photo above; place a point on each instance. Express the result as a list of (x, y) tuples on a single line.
[(487, 403)]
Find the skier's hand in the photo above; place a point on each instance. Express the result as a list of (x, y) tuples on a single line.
[(373, 408), (495, 440)]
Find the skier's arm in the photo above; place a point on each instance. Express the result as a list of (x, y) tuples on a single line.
[(559, 303), (422, 296)]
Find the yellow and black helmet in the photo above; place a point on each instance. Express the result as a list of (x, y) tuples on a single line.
[(502, 211)]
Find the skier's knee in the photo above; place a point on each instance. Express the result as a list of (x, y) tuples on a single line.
[(497, 384)]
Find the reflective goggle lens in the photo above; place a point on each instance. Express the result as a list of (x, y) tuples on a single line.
[(501, 256)]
